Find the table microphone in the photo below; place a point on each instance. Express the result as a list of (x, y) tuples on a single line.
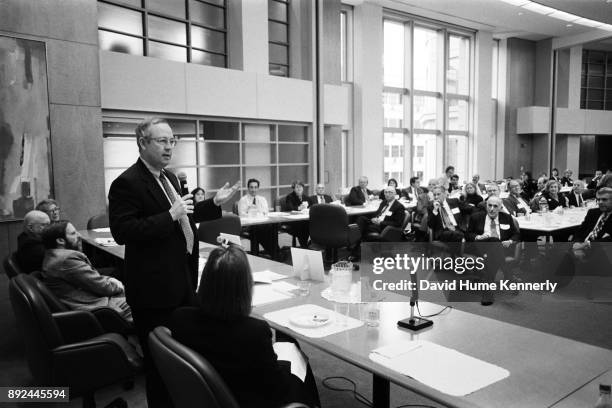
[(414, 323), (183, 181)]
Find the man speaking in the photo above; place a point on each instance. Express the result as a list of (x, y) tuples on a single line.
[(156, 224)]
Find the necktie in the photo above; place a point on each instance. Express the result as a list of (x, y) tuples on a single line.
[(598, 227), (321, 200), (494, 233), (446, 222), (254, 201), (183, 221), (579, 200)]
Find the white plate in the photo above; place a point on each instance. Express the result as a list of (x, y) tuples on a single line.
[(310, 320)]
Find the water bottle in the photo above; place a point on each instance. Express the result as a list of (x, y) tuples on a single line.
[(543, 205), (604, 400)]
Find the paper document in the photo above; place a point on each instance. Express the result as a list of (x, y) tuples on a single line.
[(438, 367), (106, 241), (267, 276), (263, 294), (234, 239), (105, 229), (289, 352)]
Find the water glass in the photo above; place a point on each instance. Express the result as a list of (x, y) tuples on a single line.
[(342, 312), (303, 287), (370, 314)]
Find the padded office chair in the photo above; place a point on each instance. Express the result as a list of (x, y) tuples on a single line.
[(110, 320), (330, 228), (208, 231), (11, 266), (191, 381), (98, 221), (70, 348)]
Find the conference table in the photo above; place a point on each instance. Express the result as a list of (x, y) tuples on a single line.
[(544, 369), (552, 222)]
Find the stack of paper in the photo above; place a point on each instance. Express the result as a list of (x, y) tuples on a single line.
[(273, 292), (444, 369)]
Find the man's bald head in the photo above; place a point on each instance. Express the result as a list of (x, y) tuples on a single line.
[(35, 221)]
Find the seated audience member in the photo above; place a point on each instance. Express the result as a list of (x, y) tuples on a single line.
[(412, 192), (480, 187), (541, 185), (254, 204), (445, 179), (554, 175), (490, 227), (297, 201), (514, 203), (360, 194), (575, 197), (566, 180), (320, 197), (390, 183), (390, 213), (595, 180), (528, 186), (30, 248), (71, 277), (445, 216), (553, 196), (198, 194), (454, 186), (423, 203), (50, 207), (606, 181), (471, 196), (492, 190), (238, 346)]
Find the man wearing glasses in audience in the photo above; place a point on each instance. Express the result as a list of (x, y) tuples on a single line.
[(515, 204), (156, 224), (50, 207), (575, 197), (320, 197), (360, 194), (30, 248)]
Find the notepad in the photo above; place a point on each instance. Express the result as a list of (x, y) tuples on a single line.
[(267, 276), (275, 292), (439, 367), (106, 241), (289, 352), (105, 229)]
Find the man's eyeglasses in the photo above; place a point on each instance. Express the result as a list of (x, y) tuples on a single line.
[(165, 141)]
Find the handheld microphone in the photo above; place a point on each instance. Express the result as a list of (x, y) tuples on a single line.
[(183, 182)]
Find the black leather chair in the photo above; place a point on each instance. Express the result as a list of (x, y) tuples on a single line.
[(281, 202), (191, 381), (70, 348), (330, 228), (98, 221), (11, 267), (110, 320), (208, 231)]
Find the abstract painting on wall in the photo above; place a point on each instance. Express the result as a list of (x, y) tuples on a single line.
[(25, 139)]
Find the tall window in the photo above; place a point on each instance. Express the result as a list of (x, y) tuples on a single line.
[(186, 31), (211, 152), (426, 98), (346, 43), (278, 37), (596, 80)]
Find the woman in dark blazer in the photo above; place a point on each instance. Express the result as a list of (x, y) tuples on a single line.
[(470, 196), (238, 346), (553, 195), (298, 201)]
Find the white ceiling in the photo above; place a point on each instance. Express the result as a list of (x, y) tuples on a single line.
[(506, 20)]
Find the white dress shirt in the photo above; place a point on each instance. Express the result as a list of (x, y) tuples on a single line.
[(245, 204)]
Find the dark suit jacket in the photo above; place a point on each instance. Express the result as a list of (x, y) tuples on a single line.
[(313, 199), (571, 198), (512, 204), (552, 203), (435, 221), (593, 183), (408, 190), (294, 202), (396, 219), (507, 227), (159, 274), (588, 224), (30, 253), (566, 181), (356, 197), (241, 352)]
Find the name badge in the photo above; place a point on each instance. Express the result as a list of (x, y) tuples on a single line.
[(504, 226), (521, 205), (455, 210), (388, 213)]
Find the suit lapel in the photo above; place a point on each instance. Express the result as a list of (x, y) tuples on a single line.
[(153, 186)]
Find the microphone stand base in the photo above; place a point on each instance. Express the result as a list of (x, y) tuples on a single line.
[(415, 323)]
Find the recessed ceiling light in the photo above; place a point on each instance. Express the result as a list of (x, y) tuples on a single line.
[(607, 27), (569, 25), (520, 13)]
